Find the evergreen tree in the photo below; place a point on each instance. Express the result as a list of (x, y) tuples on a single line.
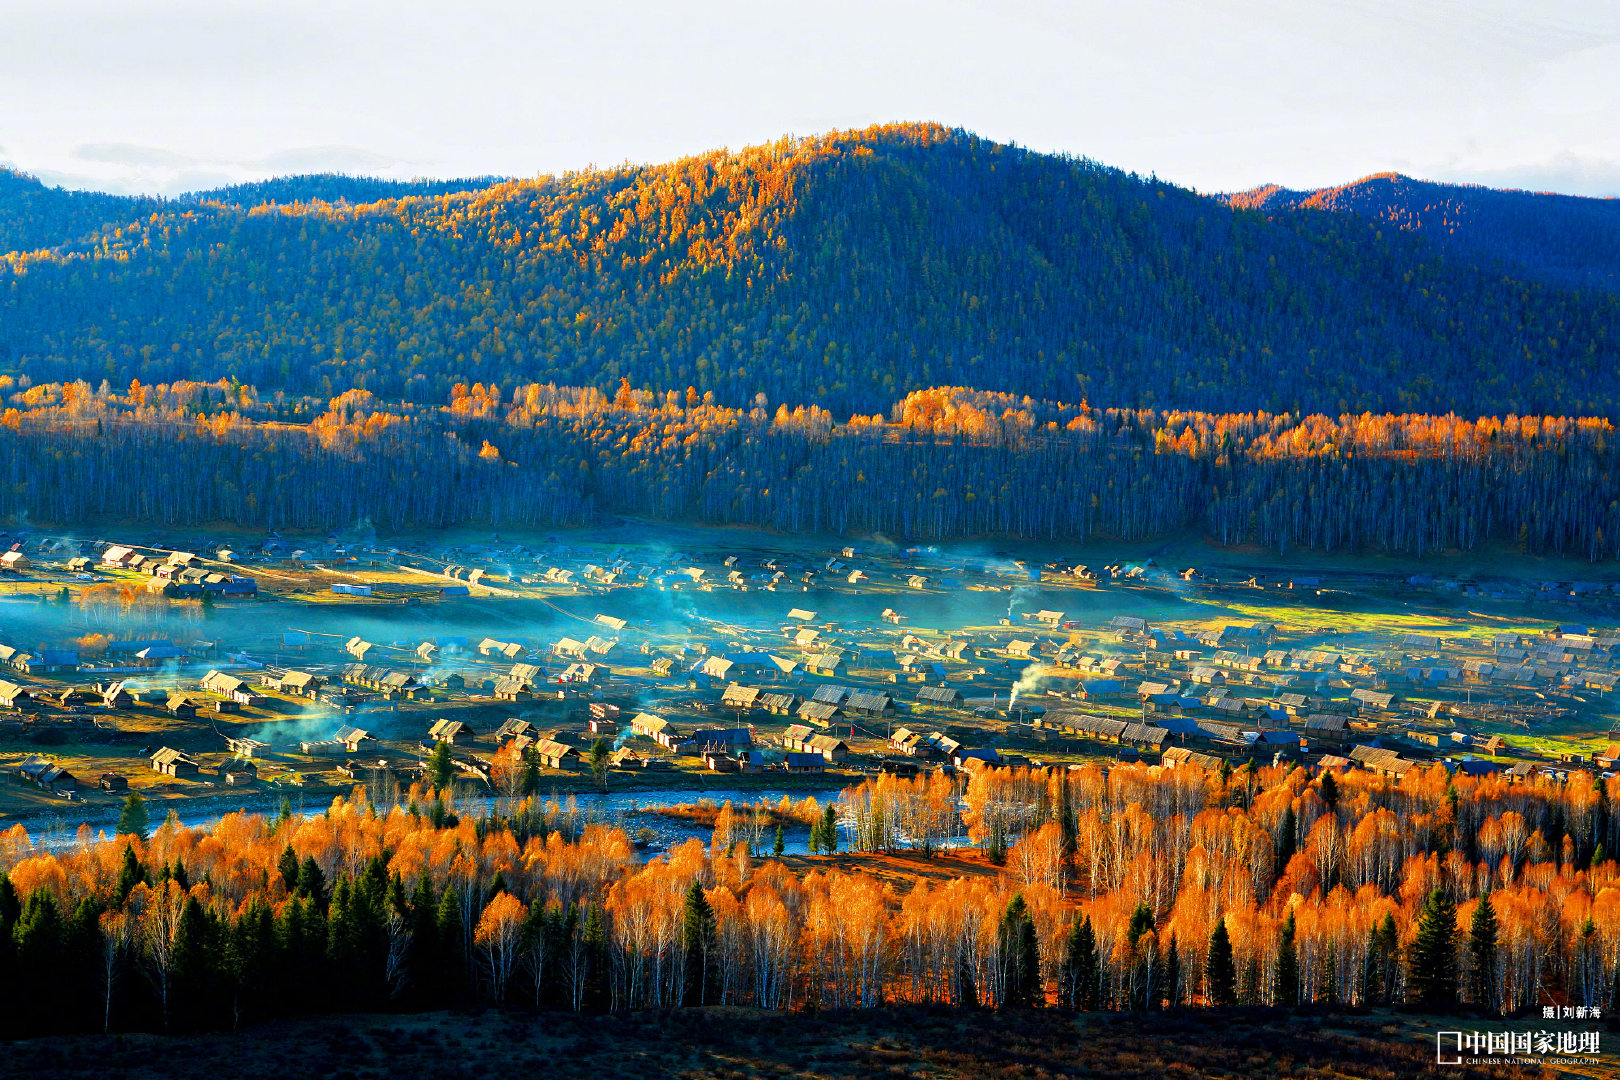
[(133, 820), (82, 953), (778, 845), (1432, 978), (697, 947), (1286, 840), (441, 766), (250, 961), (40, 957), (1482, 931), (1249, 990), (1220, 971), (12, 984), (1080, 972), (287, 865), (1329, 789), (1389, 952), (600, 758), (422, 956), (596, 955), (312, 882), (1372, 971), (1285, 989), (829, 830), (130, 874), (1020, 956), (967, 983), (450, 933), (1328, 974), (193, 999)]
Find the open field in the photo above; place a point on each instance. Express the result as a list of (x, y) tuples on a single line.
[(734, 1044)]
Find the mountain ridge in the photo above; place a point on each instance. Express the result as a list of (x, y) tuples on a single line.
[(1567, 240), (843, 269)]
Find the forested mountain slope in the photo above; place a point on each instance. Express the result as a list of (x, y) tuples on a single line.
[(1563, 240), (34, 216), (843, 271)]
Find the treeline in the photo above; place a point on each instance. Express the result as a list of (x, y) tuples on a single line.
[(943, 463), (843, 270), (1124, 889)]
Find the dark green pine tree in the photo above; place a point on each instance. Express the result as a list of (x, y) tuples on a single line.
[(450, 932), (1285, 838), (967, 983), (312, 882), (13, 988), (441, 767), (829, 830), (249, 960), (1432, 976), (1220, 970), (1482, 931), (596, 957), (133, 820), (194, 995), (40, 957), (287, 866), (1329, 789), (697, 948), (1145, 973), (82, 953), (1285, 983), (422, 956), (1020, 957), (1328, 974), (1372, 970), (131, 874), (1081, 975), (1389, 955), (778, 845)]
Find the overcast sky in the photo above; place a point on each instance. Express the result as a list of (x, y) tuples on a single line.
[(136, 95)]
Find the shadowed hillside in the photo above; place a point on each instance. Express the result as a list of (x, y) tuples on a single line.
[(843, 270), (1559, 239)]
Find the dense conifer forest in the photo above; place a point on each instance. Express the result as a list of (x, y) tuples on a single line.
[(842, 271), (941, 463)]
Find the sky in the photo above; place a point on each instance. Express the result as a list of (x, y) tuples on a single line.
[(1220, 95)]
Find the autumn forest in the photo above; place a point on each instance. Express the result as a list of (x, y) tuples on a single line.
[(1131, 890)]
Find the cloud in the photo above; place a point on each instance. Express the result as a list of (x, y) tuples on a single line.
[(137, 183), (1567, 173), (137, 169), (321, 159), (113, 153)]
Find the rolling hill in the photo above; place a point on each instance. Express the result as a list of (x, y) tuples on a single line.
[(843, 270)]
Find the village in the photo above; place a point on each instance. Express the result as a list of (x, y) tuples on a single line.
[(268, 666)]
